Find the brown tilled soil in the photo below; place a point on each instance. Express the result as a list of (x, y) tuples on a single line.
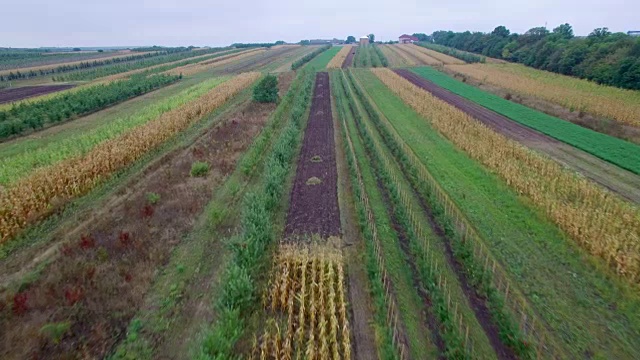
[(101, 269), (618, 180), (15, 94), (348, 61), (313, 205)]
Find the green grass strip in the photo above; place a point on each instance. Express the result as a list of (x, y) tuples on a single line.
[(320, 62), (611, 149)]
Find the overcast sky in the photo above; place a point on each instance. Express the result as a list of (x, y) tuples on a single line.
[(34, 23)]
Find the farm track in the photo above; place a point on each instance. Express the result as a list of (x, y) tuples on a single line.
[(314, 207), (132, 259), (348, 61), (618, 180), (15, 94)]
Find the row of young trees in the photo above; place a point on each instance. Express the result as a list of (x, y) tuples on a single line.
[(101, 71), (305, 59), (34, 115), (17, 75), (602, 56)]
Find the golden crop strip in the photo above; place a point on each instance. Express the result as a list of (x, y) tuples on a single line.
[(394, 59), (35, 196), (406, 59), (602, 223), (307, 285), (424, 58), (337, 60), (53, 66), (438, 56), (577, 94), (210, 64)]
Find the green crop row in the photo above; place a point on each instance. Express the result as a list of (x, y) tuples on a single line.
[(462, 55), (509, 333), (95, 73), (35, 115), (250, 250), (20, 158), (305, 59), (616, 151), (370, 56)]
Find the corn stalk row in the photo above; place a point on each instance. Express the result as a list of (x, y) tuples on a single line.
[(337, 60), (40, 193)]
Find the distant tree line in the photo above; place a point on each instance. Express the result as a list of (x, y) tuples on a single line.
[(34, 115), (168, 50), (604, 57)]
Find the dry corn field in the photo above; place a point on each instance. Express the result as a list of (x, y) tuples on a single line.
[(209, 64), (446, 59), (404, 58), (47, 188), (337, 60), (413, 51), (306, 299), (597, 220), (576, 94)]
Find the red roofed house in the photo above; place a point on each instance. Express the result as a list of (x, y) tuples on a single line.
[(407, 39)]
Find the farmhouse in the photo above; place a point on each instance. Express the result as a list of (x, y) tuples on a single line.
[(407, 39), (364, 40)]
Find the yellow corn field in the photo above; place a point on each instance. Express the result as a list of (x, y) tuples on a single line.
[(438, 56), (394, 59), (307, 298), (36, 195), (337, 60), (576, 94), (209, 64), (602, 223), (413, 51)]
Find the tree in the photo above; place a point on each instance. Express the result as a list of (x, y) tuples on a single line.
[(422, 37), (372, 38), (305, 42), (280, 42), (564, 31), (267, 90), (501, 31), (350, 39), (599, 33)]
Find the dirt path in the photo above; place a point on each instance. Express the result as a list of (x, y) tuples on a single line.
[(105, 265), (314, 200), (364, 343), (15, 94), (620, 181), (348, 61)]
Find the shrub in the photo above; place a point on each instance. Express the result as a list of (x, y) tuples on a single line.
[(153, 198), (55, 331), (199, 168), (267, 90)]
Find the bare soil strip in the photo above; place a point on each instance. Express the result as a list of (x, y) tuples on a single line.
[(15, 94), (348, 61), (618, 180), (106, 264), (314, 199)]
